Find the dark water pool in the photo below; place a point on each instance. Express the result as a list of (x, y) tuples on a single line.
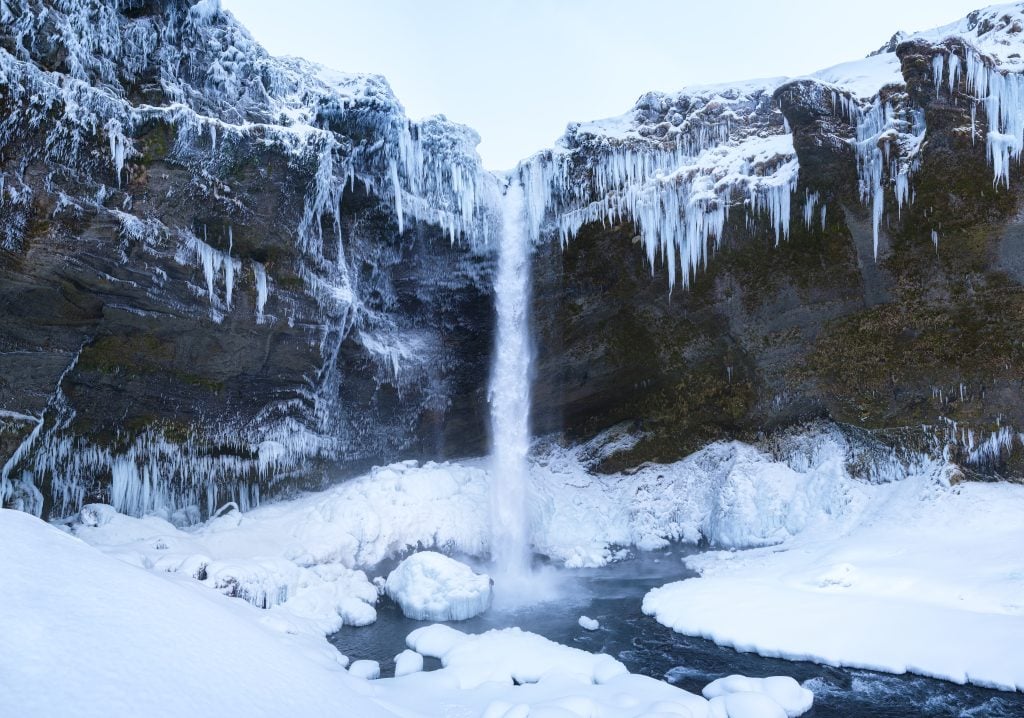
[(613, 595)]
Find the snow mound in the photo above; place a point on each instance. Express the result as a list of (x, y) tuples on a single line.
[(408, 662), (783, 690), (433, 587), (367, 670), (589, 624), (509, 655)]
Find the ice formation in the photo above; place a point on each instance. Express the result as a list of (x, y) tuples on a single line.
[(678, 188), (589, 624), (430, 586), (676, 166)]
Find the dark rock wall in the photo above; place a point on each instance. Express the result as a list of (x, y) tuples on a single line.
[(922, 346), (372, 345)]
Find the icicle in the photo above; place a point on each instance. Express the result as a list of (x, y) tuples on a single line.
[(397, 189), (118, 146), (938, 63), (810, 202), (229, 270), (262, 291), (935, 240)]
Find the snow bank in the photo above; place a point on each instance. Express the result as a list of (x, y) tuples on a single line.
[(124, 641), (429, 586), (509, 655), (511, 672), (87, 634), (922, 578)]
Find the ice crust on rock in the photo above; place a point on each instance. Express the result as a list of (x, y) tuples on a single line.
[(429, 586), (589, 624)]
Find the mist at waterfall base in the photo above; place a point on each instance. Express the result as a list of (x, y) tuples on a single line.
[(509, 397)]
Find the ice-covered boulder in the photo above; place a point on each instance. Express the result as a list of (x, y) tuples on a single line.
[(589, 624), (432, 587)]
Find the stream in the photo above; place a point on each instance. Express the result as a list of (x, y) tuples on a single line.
[(613, 594)]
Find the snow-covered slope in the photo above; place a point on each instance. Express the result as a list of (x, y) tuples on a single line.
[(88, 635), (116, 641)]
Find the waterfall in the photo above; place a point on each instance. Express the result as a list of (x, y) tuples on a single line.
[(509, 393)]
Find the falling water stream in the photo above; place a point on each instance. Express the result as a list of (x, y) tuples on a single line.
[(510, 393)]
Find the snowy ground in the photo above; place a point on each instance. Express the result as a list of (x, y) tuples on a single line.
[(921, 577), (87, 635), (894, 570)]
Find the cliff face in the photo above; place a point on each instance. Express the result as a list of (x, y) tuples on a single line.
[(219, 269), (892, 301), (223, 273)]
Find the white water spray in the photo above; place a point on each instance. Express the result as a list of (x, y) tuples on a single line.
[(510, 392)]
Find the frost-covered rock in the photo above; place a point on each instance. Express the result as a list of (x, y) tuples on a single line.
[(589, 624), (433, 587)]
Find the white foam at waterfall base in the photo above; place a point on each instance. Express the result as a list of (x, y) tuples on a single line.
[(510, 394)]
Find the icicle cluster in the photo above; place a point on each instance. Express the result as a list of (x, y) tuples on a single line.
[(1001, 95), (677, 189), (887, 144)]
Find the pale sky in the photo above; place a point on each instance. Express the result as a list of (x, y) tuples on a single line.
[(517, 71)]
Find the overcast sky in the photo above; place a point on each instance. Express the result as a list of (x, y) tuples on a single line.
[(518, 71)]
